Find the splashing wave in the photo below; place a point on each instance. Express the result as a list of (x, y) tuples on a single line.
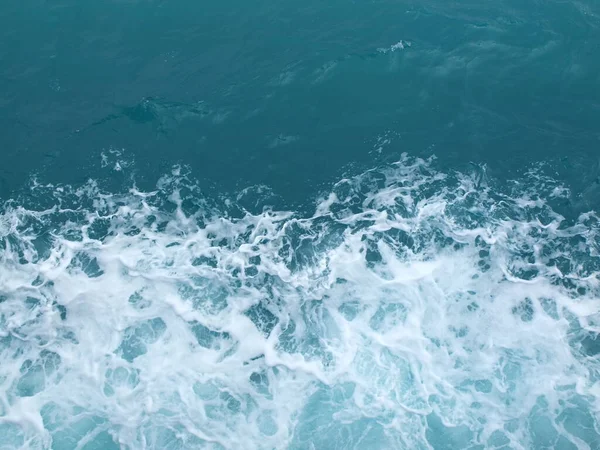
[(414, 309)]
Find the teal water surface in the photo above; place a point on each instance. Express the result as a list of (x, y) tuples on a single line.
[(299, 225)]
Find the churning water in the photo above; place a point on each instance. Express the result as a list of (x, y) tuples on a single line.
[(413, 308)]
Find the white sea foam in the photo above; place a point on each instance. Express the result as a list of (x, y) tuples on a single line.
[(400, 45), (414, 309)]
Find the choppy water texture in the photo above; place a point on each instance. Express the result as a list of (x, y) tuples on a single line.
[(278, 225)]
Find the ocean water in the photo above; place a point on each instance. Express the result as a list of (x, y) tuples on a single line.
[(299, 225)]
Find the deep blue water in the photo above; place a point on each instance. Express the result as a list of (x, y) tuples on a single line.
[(299, 225)]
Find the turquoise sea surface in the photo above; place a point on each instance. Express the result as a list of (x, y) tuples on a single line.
[(316, 225)]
